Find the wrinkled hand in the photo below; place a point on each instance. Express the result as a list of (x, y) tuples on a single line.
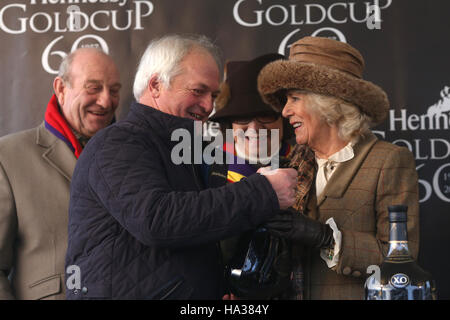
[(284, 182), (297, 227)]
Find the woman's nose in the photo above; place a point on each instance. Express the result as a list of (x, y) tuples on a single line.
[(287, 111)]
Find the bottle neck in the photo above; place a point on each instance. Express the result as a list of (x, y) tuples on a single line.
[(398, 242)]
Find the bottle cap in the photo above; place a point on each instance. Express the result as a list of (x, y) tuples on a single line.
[(397, 213)]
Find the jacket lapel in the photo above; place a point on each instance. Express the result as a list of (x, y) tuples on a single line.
[(344, 174), (56, 152)]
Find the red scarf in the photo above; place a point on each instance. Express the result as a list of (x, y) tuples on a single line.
[(56, 124)]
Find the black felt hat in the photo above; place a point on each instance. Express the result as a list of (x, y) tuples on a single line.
[(239, 96)]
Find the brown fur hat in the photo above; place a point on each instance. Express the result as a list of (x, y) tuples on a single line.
[(323, 66)]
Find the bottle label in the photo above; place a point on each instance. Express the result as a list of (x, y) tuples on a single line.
[(399, 280)]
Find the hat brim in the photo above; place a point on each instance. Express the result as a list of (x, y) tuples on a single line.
[(285, 75), (246, 105)]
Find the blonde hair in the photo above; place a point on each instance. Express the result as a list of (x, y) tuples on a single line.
[(348, 118)]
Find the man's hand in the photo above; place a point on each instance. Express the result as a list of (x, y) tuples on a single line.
[(284, 182)]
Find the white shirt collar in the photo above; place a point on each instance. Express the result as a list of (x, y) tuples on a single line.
[(345, 154)]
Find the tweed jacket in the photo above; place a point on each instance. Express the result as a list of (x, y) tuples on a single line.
[(357, 197), (35, 173)]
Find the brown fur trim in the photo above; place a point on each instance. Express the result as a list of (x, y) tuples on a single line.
[(279, 75)]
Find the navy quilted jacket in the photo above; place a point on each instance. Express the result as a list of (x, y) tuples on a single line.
[(141, 227)]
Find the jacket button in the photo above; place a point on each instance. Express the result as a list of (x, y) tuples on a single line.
[(356, 274), (346, 271)]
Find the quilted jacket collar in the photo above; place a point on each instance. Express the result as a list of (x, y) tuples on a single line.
[(162, 123)]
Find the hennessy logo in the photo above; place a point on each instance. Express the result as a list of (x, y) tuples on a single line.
[(442, 105), (436, 118)]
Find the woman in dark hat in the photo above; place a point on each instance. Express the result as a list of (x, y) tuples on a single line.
[(240, 107), (344, 226), (259, 133)]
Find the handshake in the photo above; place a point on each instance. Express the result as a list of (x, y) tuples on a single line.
[(288, 223)]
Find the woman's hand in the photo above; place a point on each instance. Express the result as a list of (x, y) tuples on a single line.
[(297, 227)]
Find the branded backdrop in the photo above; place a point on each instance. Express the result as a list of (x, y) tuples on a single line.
[(405, 45)]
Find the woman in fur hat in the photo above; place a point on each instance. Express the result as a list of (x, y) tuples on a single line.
[(339, 227), (259, 134)]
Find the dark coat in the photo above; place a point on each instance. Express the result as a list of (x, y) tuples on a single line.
[(142, 227)]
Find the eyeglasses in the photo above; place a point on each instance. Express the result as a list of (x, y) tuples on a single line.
[(261, 119)]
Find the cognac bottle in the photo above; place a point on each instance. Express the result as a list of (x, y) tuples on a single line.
[(399, 277)]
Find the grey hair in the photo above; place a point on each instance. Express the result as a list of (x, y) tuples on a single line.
[(64, 68), (66, 64), (348, 118), (164, 55)]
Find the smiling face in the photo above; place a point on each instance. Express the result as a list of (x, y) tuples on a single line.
[(192, 92), (90, 95), (254, 135), (309, 128)]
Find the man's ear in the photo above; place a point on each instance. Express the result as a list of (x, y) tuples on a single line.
[(154, 86), (58, 88)]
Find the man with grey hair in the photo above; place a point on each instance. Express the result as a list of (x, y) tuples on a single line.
[(36, 167), (142, 226)]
